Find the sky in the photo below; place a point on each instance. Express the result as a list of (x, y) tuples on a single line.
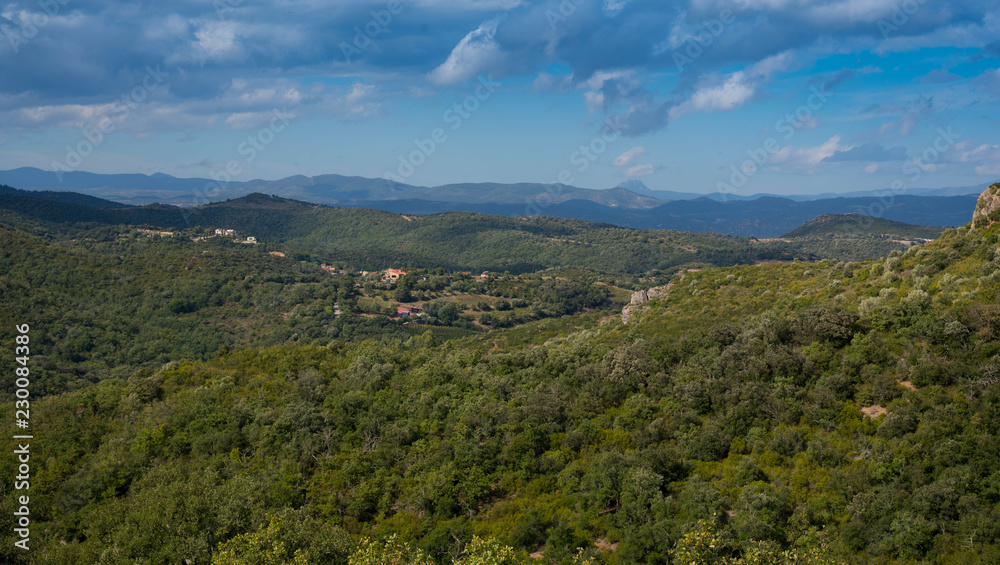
[(743, 96)]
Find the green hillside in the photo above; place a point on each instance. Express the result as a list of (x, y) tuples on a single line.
[(856, 224), (759, 414), (460, 241), (117, 300)]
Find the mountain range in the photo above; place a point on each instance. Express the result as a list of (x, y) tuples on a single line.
[(631, 204)]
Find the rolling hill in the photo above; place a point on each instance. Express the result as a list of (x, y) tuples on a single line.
[(372, 239)]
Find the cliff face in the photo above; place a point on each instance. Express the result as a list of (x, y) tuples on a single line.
[(988, 207)]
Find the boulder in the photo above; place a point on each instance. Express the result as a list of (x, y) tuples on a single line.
[(639, 300), (640, 297)]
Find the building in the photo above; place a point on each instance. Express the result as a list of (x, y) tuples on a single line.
[(404, 310), (221, 231), (251, 239), (393, 274)]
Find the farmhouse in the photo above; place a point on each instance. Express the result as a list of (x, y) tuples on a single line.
[(404, 310), (393, 274)]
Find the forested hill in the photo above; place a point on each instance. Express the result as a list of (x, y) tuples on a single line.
[(823, 412), (854, 224), (371, 239)]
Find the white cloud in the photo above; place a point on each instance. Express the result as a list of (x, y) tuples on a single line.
[(475, 53), (627, 157), (640, 171), (731, 91), (872, 168), (805, 160), (985, 158)]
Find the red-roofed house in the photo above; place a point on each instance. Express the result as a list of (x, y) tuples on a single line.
[(393, 274)]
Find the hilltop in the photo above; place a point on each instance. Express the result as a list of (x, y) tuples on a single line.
[(857, 224)]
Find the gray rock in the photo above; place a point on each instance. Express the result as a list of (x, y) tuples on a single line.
[(640, 297), (627, 312), (989, 202)]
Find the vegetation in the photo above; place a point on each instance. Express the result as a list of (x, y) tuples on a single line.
[(116, 300), (201, 401), (828, 412), (840, 225), (456, 241)]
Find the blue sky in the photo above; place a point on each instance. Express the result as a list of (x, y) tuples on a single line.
[(781, 96)]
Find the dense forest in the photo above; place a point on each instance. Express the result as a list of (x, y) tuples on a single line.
[(113, 300), (801, 412)]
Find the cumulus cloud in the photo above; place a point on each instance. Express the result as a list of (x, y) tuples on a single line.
[(731, 91), (613, 52), (476, 53)]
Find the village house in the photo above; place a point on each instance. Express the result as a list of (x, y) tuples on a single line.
[(221, 231), (393, 274), (403, 310)]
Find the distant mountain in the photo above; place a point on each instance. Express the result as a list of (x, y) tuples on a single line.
[(323, 189), (352, 190), (857, 224), (761, 216)]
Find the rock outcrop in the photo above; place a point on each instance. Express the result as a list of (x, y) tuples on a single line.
[(639, 300), (987, 208)]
